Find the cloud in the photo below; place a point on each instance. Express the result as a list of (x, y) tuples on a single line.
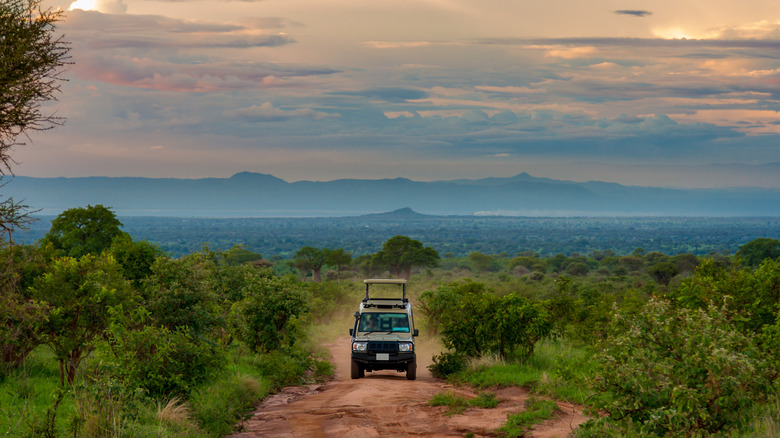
[(387, 94), (112, 31), (206, 77), (268, 113), (633, 12)]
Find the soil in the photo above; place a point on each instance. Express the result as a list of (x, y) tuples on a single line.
[(385, 404)]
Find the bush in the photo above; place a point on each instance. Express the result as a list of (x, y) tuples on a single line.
[(161, 361), (220, 405), (473, 321), (679, 372), (446, 364), (180, 294), (266, 319)]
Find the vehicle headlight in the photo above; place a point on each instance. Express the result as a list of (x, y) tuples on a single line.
[(359, 346), (405, 347)]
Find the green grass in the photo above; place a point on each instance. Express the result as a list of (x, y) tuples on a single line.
[(29, 392), (99, 407), (537, 411), (457, 404), (557, 368)]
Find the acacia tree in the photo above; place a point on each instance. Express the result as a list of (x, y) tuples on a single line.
[(33, 58), (338, 258), (311, 259), (400, 254)]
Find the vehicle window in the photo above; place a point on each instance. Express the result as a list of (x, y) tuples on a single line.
[(384, 322)]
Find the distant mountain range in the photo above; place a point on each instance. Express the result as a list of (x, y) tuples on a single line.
[(259, 195)]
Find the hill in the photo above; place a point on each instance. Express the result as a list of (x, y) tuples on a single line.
[(249, 194)]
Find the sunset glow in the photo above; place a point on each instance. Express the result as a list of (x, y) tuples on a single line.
[(427, 90)]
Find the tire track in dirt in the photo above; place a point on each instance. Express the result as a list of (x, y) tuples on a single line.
[(385, 404)]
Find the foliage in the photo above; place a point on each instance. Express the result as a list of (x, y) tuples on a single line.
[(21, 326), (339, 258), (311, 259), (663, 272), (679, 372), (160, 360), (180, 294), (87, 230), (33, 58), (753, 296), (447, 364), (400, 254), (758, 250), (219, 406), (79, 293), (473, 321), (266, 319), (135, 257), (284, 368)]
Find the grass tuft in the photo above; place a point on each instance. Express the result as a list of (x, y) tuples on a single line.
[(457, 404), (536, 411), (176, 411)]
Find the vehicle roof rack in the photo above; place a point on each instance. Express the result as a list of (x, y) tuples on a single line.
[(385, 302)]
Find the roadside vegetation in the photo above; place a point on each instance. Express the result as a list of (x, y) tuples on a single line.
[(103, 335)]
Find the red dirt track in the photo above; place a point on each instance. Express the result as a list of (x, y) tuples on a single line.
[(385, 404)]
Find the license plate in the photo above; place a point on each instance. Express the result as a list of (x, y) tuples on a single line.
[(383, 356)]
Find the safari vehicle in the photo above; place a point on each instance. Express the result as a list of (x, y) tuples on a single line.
[(383, 334)]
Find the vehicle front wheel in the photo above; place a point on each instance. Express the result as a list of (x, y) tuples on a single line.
[(356, 371), (411, 370)]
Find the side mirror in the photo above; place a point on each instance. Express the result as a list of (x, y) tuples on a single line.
[(350, 332), (416, 332)]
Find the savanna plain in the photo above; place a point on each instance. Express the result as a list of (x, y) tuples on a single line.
[(106, 335)]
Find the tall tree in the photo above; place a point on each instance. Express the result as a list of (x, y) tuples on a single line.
[(340, 259), (400, 254), (757, 250), (88, 230), (311, 259), (33, 58)]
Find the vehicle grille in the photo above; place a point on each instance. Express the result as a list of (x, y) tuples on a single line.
[(383, 346)]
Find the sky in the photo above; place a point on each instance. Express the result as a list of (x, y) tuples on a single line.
[(681, 93)]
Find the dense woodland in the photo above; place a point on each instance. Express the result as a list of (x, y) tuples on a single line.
[(106, 335), (459, 235)]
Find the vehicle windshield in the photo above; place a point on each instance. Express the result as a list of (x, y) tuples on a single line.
[(384, 322)]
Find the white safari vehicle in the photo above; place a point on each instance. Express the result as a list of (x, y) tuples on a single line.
[(383, 334)]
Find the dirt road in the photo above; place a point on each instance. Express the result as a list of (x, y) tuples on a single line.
[(385, 404)]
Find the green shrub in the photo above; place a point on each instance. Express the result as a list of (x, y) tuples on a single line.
[(266, 319), (474, 321), (679, 372), (161, 361), (180, 294), (447, 364), (284, 369), (225, 402)]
